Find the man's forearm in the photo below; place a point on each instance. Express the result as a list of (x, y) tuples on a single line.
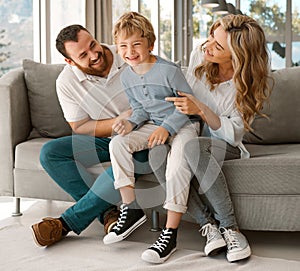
[(98, 128)]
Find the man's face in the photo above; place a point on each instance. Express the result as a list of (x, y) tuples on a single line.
[(88, 55)]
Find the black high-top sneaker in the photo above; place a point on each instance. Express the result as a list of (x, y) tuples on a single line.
[(163, 248), (130, 218)]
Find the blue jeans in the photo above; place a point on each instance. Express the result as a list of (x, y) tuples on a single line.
[(209, 199), (66, 160)]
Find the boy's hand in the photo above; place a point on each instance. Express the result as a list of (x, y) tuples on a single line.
[(122, 127), (158, 137), (125, 114)]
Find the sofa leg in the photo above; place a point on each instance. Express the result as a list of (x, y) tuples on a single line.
[(155, 221), (17, 211)]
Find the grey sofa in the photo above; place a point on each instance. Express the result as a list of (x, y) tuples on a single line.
[(265, 189)]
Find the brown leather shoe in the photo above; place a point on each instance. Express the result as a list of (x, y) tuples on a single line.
[(47, 232), (110, 220)]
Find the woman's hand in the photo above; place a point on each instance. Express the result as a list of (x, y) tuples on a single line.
[(158, 137), (122, 126), (188, 104)]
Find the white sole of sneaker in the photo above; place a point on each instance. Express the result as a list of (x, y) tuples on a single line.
[(111, 237), (151, 256), (212, 248), (239, 255)]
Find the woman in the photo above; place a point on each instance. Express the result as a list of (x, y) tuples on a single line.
[(229, 77)]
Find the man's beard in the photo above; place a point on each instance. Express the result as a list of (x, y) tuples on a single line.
[(99, 71)]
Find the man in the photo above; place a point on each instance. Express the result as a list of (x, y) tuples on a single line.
[(91, 96)]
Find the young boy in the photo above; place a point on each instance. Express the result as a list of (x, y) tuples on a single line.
[(147, 81)]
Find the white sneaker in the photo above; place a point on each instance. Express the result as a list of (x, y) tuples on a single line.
[(237, 245), (214, 239)]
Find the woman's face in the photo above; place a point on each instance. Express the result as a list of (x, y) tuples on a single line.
[(216, 48)]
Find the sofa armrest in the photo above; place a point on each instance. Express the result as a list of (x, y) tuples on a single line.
[(15, 124)]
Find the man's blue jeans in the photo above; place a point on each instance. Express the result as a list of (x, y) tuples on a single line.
[(66, 160)]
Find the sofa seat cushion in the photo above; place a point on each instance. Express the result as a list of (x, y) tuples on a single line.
[(30, 177), (271, 170), (28, 153)]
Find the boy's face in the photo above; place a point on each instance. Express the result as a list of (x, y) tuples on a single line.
[(134, 49)]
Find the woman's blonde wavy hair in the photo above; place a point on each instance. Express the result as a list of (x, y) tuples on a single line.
[(250, 61)]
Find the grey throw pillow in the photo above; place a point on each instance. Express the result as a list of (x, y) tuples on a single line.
[(283, 125), (46, 114)]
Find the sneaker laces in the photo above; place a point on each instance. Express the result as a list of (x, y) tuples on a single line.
[(230, 238), (209, 231), (122, 217), (163, 240)]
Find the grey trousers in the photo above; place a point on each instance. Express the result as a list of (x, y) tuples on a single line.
[(209, 199)]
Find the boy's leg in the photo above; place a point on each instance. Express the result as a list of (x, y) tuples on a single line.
[(121, 150), (197, 208), (178, 172), (178, 176)]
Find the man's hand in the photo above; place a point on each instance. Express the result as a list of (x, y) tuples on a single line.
[(158, 137), (122, 126)]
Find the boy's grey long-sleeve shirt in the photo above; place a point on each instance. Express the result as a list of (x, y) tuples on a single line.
[(147, 93)]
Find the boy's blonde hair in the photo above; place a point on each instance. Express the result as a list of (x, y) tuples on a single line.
[(131, 23)]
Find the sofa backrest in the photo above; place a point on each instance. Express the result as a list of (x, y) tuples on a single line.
[(283, 110), (46, 114)]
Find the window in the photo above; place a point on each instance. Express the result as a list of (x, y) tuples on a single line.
[(64, 13), (280, 20), (271, 15), (202, 20), (28, 29), (41, 20), (295, 33), (16, 33)]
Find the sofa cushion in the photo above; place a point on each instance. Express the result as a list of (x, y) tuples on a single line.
[(271, 170), (46, 114), (283, 111)]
